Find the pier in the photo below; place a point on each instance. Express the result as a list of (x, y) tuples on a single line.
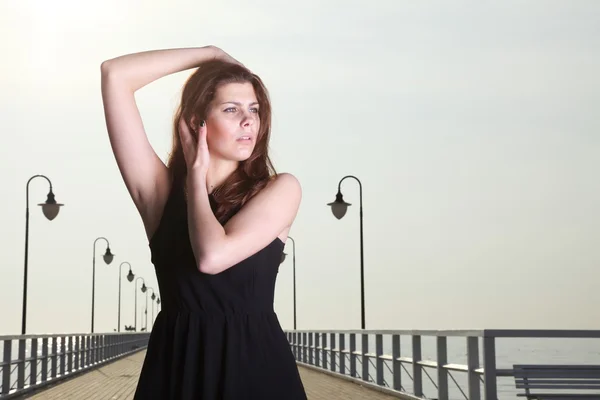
[(361, 364)]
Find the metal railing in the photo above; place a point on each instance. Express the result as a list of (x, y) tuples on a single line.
[(382, 367), (45, 359)]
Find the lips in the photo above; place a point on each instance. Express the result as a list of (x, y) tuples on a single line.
[(245, 138)]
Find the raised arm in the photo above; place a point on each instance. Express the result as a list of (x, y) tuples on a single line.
[(144, 173), (268, 215)]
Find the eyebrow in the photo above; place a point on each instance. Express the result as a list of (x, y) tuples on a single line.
[(237, 103)]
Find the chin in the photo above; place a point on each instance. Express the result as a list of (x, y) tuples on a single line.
[(241, 156), (236, 157)]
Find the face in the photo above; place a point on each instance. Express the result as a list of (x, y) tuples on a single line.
[(232, 122)]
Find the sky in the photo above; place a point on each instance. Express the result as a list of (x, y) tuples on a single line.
[(472, 126)]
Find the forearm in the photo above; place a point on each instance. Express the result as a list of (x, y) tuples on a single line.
[(139, 69), (205, 232)]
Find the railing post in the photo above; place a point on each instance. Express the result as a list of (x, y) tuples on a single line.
[(472, 365), (442, 373), (396, 364), (53, 358), (70, 356), (21, 364), (324, 351), (332, 351), (417, 368), (489, 367), (365, 358), (304, 349), (33, 362), (317, 349), (95, 348), (343, 353), (80, 352), (44, 359), (7, 366), (311, 355), (96, 342), (353, 355), (379, 360), (88, 350), (76, 353), (63, 347)]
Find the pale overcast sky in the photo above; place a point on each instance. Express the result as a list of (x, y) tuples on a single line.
[(473, 126)]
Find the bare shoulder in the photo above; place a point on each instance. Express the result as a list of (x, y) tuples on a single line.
[(284, 188), (288, 182), (272, 210)]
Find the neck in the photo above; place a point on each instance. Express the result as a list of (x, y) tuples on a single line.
[(218, 171)]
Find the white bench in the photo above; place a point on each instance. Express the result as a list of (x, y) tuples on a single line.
[(558, 382)]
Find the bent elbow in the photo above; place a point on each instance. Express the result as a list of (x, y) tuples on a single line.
[(105, 68), (207, 265), (108, 71)]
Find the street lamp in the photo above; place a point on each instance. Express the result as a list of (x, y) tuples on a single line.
[(108, 258), (339, 208), (283, 255), (151, 305), (50, 209), (143, 289), (130, 277)]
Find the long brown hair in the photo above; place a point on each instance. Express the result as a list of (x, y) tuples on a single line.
[(252, 174)]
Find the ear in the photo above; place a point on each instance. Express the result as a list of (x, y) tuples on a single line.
[(194, 126), (193, 123)]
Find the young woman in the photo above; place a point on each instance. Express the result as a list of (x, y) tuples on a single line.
[(216, 217)]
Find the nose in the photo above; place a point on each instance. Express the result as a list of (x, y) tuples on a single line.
[(248, 119)]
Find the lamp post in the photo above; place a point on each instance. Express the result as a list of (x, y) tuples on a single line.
[(283, 255), (50, 209), (339, 208), (108, 258), (143, 289), (151, 305), (130, 277)]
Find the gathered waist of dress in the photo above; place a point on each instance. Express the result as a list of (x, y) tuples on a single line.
[(239, 311)]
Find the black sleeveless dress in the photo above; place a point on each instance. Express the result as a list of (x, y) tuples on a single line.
[(216, 337)]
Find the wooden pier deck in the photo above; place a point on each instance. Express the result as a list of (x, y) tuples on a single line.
[(117, 380)]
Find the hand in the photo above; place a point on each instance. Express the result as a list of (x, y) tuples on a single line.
[(223, 56), (195, 151)]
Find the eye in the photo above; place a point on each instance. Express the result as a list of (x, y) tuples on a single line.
[(230, 109), (254, 110)]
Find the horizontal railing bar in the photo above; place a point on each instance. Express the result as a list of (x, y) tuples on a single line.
[(457, 367), (497, 333), (65, 335), (430, 364), (478, 333)]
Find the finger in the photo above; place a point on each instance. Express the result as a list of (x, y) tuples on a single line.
[(184, 132)]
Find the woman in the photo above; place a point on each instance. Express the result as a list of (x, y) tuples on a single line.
[(216, 217)]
